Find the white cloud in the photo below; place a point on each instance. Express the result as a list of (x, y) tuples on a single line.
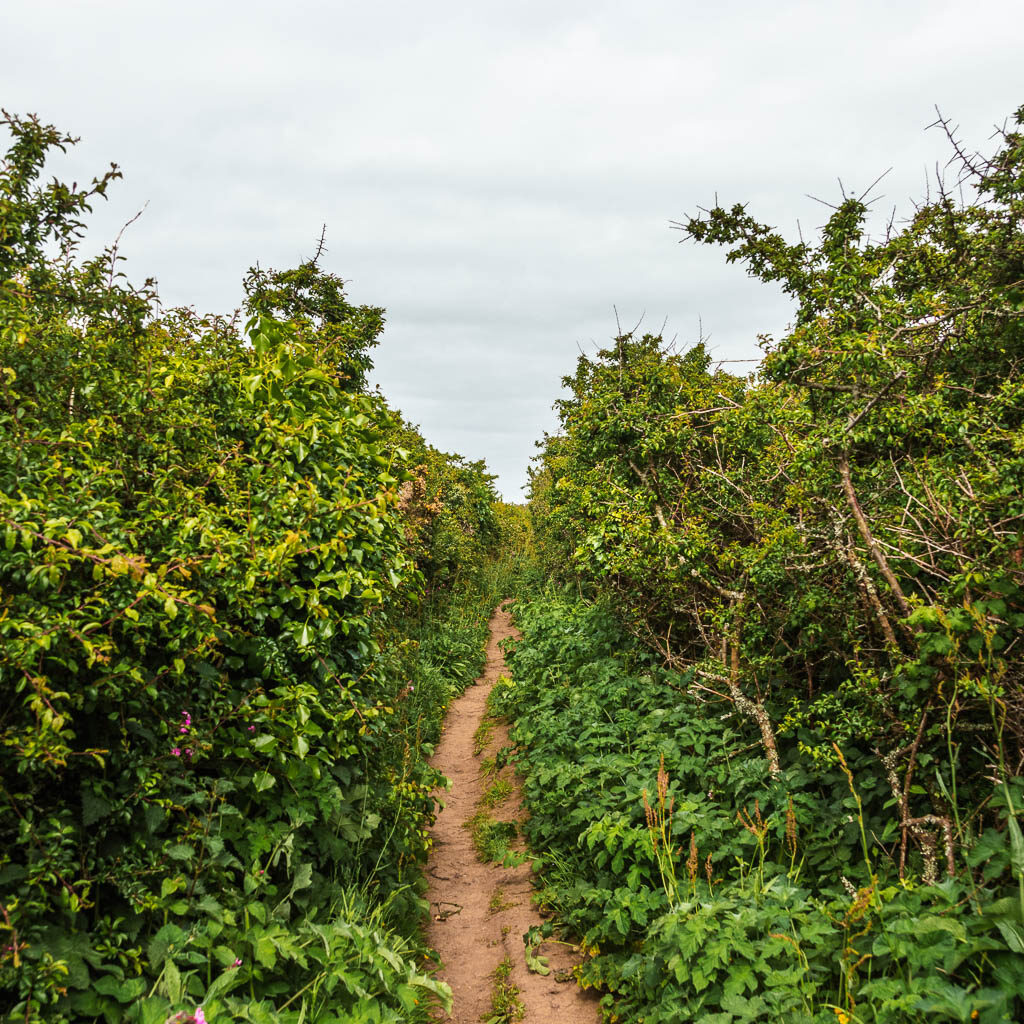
[(499, 176)]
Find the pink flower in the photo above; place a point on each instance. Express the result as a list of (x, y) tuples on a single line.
[(199, 1017), (237, 963), (176, 751), (252, 728)]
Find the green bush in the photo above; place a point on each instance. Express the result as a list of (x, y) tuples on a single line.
[(215, 786), (705, 888), (827, 554)]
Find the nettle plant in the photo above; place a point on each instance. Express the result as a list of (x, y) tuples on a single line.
[(199, 553), (705, 888)]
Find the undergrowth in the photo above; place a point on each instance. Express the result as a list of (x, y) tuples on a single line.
[(496, 793), (706, 889), (491, 839)]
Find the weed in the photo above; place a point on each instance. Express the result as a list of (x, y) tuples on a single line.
[(659, 828), (499, 902), (491, 838), (506, 1006), (482, 736), (496, 793)]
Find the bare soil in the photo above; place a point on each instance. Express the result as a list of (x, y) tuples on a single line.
[(479, 912)]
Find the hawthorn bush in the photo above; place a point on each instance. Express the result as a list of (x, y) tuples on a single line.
[(830, 551)]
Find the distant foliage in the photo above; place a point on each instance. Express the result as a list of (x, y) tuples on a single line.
[(831, 551), (448, 506)]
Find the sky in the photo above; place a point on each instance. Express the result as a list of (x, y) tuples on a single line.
[(501, 177)]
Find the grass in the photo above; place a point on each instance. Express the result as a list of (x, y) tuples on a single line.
[(482, 736), (496, 793), (506, 1006), (491, 838)]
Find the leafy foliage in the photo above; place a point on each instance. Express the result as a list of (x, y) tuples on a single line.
[(704, 888), (829, 554), (215, 789), (314, 303)]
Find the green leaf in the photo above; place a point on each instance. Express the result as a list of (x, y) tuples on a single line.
[(169, 938), (303, 877), (94, 807), (265, 951), (172, 982), (222, 984), (152, 1010), (1016, 845), (1012, 933)]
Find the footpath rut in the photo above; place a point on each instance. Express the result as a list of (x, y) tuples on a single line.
[(478, 911)]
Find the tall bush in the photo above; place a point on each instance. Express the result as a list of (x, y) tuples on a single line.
[(205, 797), (831, 549)]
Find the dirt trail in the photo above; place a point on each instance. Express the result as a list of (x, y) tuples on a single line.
[(472, 925)]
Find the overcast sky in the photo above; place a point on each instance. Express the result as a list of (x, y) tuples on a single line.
[(499, 176)]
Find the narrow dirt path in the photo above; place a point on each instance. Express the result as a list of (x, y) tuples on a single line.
[(479, 911)]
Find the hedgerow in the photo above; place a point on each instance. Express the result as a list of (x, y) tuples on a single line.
[(829, 552), (215, 792)]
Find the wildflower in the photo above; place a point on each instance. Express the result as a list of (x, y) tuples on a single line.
[(692, 861), (237, 963), (791, 828), (176, 751), (188, 720), (252, 728), (199, 1017)]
